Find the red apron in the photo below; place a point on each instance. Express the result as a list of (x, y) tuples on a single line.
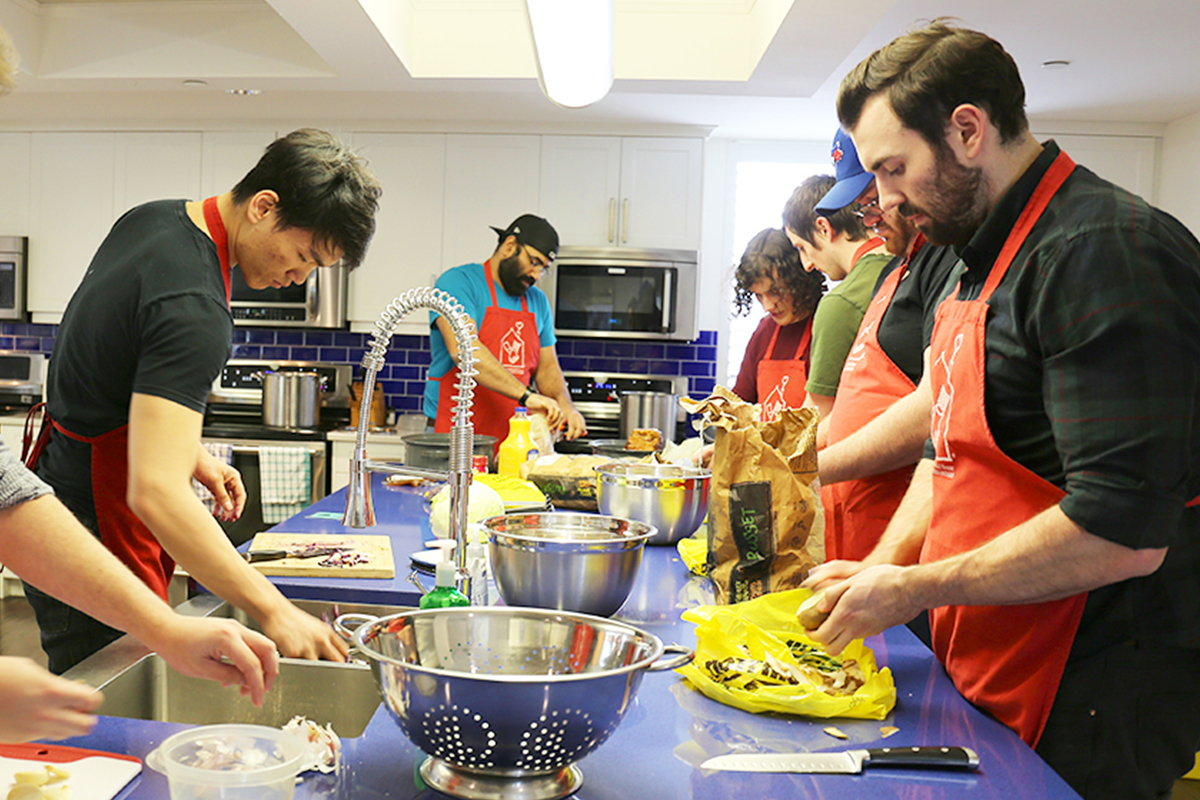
[(1006, 659), (780, 384), (120, 530), (512, 337), (856, 512)]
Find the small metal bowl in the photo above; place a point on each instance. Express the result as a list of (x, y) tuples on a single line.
[(573, 562), (506, 700), (672, 498)]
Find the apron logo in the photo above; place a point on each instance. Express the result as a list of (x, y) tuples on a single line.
[(512, 350), (774, 402), (859, 351), (943, 463)]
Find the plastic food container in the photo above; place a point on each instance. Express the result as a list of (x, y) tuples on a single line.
[(230, 762)]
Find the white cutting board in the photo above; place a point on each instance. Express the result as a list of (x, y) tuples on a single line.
[(94, 775)]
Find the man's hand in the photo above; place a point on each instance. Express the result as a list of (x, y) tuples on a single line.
[(831, 572), (220, 650), (224, 482), (301, 635), (576, 426), (869, 602), (38, 705), (540, 404)]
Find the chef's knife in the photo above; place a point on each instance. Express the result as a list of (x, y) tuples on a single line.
[(848, 761), (255, 556)]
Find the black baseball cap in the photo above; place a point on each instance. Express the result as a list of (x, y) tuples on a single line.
[(534, 231)]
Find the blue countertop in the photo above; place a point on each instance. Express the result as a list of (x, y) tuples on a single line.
[(670, 728)]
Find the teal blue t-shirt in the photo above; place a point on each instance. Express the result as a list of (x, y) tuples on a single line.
[(468, 285)]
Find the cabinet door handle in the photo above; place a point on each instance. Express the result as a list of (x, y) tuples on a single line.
[(612, 213), (625, 220)]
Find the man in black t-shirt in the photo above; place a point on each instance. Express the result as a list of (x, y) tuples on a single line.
[(140, 344)]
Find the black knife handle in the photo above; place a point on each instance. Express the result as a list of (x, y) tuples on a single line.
[(254, 556), (927, 756)]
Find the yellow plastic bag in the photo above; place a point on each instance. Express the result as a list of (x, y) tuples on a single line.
[(694, 552), (765, 630)]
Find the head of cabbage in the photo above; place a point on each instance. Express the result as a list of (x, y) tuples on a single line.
[(484, 502)]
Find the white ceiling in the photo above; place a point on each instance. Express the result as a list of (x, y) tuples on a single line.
[(123, 63)]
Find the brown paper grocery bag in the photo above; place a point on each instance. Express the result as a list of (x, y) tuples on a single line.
[(766, 529)]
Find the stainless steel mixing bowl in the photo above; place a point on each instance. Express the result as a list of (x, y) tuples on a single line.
[(573, 562), (672, 498), (504, 699)]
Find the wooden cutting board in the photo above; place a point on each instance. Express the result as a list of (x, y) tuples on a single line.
[(377, 549), (94, 775)]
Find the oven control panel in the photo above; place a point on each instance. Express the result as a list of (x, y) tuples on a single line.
[(239, 381)]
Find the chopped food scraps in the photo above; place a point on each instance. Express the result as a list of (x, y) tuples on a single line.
[(836, 733), (324, 746)]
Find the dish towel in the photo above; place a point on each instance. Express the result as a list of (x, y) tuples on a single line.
[(285, 475), (221, 452)]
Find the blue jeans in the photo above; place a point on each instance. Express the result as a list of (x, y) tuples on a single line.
[(68, 635)]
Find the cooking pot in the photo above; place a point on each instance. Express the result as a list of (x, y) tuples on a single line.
[(291, 400), (658, 410)]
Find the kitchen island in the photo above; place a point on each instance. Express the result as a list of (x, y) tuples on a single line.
[(671, 728)]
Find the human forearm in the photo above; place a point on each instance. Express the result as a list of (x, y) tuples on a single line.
[(1046, 558), (89, 578), (905, 534), (894, 439)]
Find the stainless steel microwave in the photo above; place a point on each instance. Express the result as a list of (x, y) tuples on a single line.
[(623, 293), (13, 251), (319, 302)]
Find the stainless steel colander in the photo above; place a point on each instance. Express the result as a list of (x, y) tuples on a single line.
[(505, 700)]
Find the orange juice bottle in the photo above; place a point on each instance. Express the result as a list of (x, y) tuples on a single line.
[(518, 447)]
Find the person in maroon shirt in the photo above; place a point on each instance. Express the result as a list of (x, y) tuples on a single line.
[(770, 272)]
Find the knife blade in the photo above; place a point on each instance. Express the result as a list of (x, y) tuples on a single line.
[(255, 556), (848, 761)]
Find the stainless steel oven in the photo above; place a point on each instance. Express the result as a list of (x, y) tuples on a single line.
[(623, 293), (319, 302), (13, 250)]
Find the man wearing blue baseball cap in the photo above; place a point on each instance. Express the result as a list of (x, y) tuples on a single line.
[(836, 243)]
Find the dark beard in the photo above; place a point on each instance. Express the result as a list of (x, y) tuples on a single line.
[(511, 278), (957, 203)]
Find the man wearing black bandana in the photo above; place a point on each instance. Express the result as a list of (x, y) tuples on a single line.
[(516, 358)]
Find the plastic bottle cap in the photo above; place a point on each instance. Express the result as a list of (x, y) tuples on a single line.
[(520, 410), (445, 573)]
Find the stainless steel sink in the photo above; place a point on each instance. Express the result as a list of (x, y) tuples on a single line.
[(138, 684)]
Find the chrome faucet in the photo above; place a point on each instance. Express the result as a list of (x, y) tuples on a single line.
[(360, 513)]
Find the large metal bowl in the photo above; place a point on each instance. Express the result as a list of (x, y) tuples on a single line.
[(505, 700), (670, 497), (571, 562)]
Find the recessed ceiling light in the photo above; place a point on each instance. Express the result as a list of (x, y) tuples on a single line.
[(1057, 63), (243, 92), (194, 84)]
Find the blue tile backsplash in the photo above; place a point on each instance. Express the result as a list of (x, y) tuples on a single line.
[(403, 376)]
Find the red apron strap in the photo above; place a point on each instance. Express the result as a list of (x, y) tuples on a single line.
[(867, 247), (32, 444), (220, 237)]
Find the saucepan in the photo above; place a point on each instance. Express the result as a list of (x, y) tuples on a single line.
[(291, 399)]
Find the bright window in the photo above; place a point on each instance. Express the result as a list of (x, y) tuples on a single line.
[(761, 188)]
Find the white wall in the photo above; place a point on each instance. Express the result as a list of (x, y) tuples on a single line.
[(1179, 171)]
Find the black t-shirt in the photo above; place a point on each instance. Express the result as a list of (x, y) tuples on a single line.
[(907, 323), (150, 316)]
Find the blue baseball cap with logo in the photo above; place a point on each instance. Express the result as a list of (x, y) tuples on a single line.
[(852, 179)]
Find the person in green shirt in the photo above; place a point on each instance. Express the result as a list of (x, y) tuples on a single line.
[(837, 244)]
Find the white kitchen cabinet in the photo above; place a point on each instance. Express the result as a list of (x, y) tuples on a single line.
[(406, 250), (71, 211), (14, 178), (155, 166), (490, 180), (226, 157), (631, 191), (80, 184), (1127, 161)]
